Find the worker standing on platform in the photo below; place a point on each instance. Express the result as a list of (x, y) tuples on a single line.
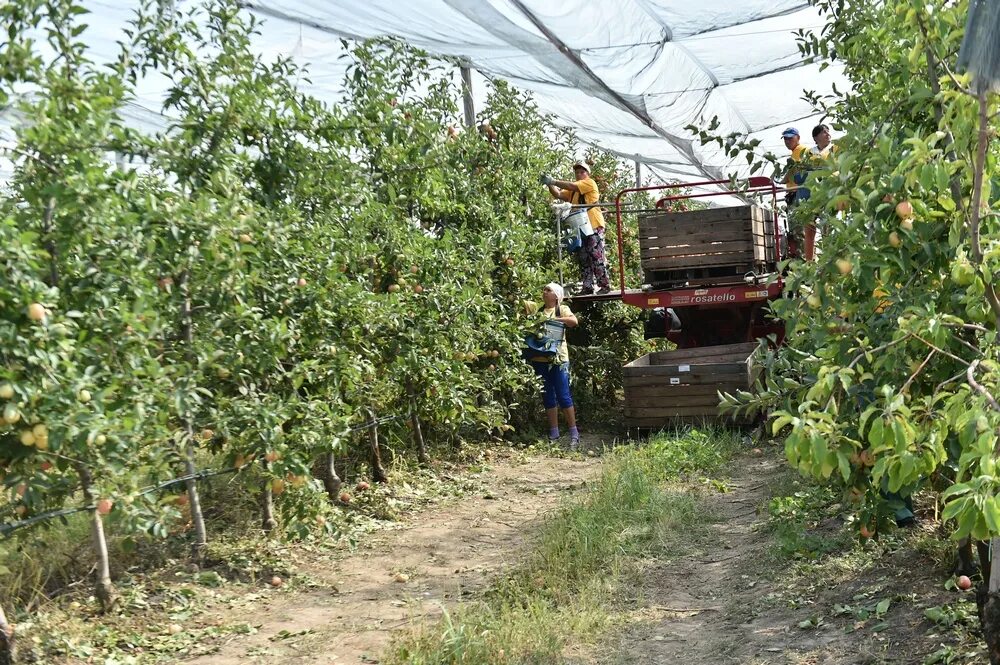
[(795, 192), (579, 192)]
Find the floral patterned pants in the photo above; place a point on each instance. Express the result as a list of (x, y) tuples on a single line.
[(593, 262)]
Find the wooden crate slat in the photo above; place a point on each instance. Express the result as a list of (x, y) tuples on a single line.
[(668, 423), (672, 411), (683, 370), (706, 353), (679, 234), (641, 402), (671, 391), (714, 214), (696, 249), (684, 262)]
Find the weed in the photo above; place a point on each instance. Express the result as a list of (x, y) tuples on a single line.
[(577, 579)]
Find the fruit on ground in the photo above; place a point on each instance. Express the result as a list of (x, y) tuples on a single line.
[(362, 486), (401, 578), (104, 506), (964, 583), (276, 581), (345, 497), (867, 532), (245, 238)]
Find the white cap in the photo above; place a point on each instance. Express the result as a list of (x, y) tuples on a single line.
[(557, 289)]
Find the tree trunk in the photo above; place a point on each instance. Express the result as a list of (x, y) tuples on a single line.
[(966, 564), (7, 654), (418, 436), (194, 500), (103, 587), (267, 521), (331, 481), (418, 439), (378, 473), (190, 468)]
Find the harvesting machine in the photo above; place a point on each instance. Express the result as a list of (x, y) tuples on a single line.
[(708, 276)]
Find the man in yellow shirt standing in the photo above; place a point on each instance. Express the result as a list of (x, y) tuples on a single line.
[(583, 191), (795, 175)]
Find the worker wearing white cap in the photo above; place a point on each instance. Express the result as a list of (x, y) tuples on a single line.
[(583, 191), (553, 368)]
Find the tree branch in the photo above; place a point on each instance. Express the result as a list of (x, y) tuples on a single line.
[(977, 204), (971, 378), (882, 347), (919, 369)]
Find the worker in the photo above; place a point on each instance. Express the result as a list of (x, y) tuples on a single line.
[(795, 192), (554, 369), (824, 146), (583, 191)]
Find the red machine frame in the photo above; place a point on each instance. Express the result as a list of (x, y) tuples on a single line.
[(731, 302)]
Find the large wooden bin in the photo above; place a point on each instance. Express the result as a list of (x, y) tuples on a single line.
[(667, 388), (706, 244)]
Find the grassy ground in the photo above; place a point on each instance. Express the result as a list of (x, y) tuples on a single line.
[(645, 504)]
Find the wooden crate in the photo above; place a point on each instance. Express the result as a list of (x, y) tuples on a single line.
[(672, 387), (677, 246)]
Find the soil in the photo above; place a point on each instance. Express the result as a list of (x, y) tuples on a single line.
[(739, 603), (435, 559), (729, 600)]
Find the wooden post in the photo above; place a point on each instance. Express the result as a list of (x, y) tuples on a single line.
[(638, 172), (470, 109)]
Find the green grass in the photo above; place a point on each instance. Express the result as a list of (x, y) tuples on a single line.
[(576, 582)]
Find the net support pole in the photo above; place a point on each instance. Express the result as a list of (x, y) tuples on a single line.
[(470, 109), (638, 172)]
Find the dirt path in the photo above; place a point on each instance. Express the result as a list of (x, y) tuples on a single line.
[(735, 602), (439, 557)]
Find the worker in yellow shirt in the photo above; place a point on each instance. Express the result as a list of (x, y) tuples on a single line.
[(583, 191), (804, 234), (824, 145)]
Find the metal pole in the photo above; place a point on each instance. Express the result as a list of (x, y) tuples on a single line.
[(470, 109), (559, 247), (638, 172)]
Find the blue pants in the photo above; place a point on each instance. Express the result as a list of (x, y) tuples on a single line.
[(556, 379)]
